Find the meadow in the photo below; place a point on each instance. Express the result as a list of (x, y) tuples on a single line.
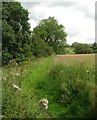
[(67, 81)]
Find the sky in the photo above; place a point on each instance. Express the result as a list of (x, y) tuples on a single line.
[(78, 17)]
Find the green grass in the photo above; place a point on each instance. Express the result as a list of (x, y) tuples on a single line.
[(26, 102), (54, 79)]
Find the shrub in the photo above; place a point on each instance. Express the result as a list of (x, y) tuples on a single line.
[(41, 48)]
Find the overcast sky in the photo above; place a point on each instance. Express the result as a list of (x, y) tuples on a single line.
[(78, 17)]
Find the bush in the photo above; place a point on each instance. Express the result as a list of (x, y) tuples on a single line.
[(41, 48)]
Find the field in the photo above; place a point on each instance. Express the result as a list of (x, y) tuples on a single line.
[(67, 81), (88, 59)]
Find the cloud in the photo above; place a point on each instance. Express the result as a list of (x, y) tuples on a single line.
[(33, 23), (72, 32), (76, 16), (30, 5), (38, 12), (86, 10), (62, 4)]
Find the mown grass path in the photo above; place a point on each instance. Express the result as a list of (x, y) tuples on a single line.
[(37, 73)]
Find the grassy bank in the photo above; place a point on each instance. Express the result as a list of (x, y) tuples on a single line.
[(24, 103)]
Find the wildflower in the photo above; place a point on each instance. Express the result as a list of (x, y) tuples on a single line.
[(15, 86), (87, 71), (16, 64), (10, 61), (12, 73), (17, 74), (61, 71), (93, 76), (4, 78), (45, 103), (94, 70), (1, 74), (48, 70)]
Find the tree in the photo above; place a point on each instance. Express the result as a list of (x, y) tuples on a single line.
[(82, 48), (95, 47), (51, 32), (40, 48), (15, 32)]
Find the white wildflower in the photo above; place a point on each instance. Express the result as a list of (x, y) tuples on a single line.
[(1, 74), (93, 76), (16, 64), (15, 86), (17, 74), (94, 70), (11, 73), (25, 70), (4, 78)]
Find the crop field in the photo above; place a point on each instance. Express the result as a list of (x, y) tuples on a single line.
[(66, 81), (87, 59)]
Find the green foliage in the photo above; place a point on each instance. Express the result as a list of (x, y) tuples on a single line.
[(17, 41), (69, 89), (24, 103), (95, 47), (76, 93), (15, 32), (82, 48), (52, 33), (40, 48), (69, 50), (73, 89)]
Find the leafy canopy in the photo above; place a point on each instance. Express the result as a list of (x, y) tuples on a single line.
[(51, 32), (15, 32)]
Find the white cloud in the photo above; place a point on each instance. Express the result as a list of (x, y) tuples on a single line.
[(33, 23), (78, 17)]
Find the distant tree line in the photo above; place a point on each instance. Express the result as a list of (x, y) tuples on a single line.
[(48, 37), (81, 48)]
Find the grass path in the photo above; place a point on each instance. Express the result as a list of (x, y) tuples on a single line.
[(36, 74), (25, 103)]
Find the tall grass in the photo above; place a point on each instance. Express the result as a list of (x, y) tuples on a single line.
[(70, 89), (76, 88), (25, 103)]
